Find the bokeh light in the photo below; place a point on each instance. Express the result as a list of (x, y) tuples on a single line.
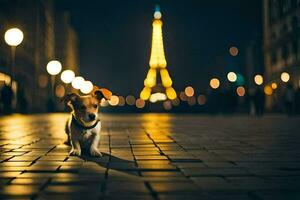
[(54, 67), (201, 99), (268, 90), (231, 76), (140, 103), (175, 102), (189, 91), (86, 87), (130, 100), (60, 91), (167, 105), (157, 14), (157, 97), (43, 81), (274, 86), (171, 93), (13, 36), (121, 101), (67, 76), (191, 101), (285, 77), (234, 51), (114, 100), (258, 79), (77, 82), (214, 83), (240, 91)]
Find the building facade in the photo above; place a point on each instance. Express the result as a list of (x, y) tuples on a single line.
[(39, 24)]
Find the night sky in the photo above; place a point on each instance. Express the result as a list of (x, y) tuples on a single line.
[(115, 39)]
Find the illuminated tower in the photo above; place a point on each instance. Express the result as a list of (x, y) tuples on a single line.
[(157, 90)]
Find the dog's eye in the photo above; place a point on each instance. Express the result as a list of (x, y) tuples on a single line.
[(95, 105)]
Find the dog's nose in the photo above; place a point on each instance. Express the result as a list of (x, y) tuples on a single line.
[(92, 116)]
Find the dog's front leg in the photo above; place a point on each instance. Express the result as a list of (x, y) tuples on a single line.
[(94, 146), (76, 149)]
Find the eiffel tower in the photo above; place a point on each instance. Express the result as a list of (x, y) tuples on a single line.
[(157, 88)]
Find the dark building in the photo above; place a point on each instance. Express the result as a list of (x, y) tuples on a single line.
[(39, 23)]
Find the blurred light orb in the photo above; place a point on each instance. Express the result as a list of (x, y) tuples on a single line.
[(54, 67), (201, 99), (258, 79), (130, 100), (60, 91), (13, 37), (86, 87), (183, 96), (191, 101), (114, 100), (240, 91), (43, 81), (157, 97), (175, 102), (121, 101), (103, 102), (234, 51), (67, 76), (274, 86), (268, 90), (167, 105), (140, 103), (285, 77), (171, 93), (214, 83), (77, 82), (157, 15), (189, 91), (232, 77)]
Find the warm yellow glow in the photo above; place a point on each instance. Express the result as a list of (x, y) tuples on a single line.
[(157, 97), (77, 82), (121, 101), (13, 37), (54, 67), (231, 76), (114, 100), (104, 102), (285, 77), (268, 90), (274, 86), (258, 79), (43, 81), (240, 91), (234, 51), (157, 14), (182, 96), (157, 58), (189, 91), (171, 93), (145, 93), (67, 76), (59, 91), (130, 100), (167, 105), (140, 103), (214, 83), (150, 80), (86, 87), (165, 78)]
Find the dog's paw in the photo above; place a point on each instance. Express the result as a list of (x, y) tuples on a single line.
[(95, 152), (75, 152)]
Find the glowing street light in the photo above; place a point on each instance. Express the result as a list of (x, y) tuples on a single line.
[(77, 82), (54, 67), (189, 91), (67, 76), (232, 77), (13, 37), (258, 79), (285, 77), (86, 87), (214, 83)]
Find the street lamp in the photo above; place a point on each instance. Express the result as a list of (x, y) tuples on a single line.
[(67, 76), (53, 68), (77, 82), (13, 37), (86, 87)]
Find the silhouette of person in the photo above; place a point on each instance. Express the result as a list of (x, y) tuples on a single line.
[(289, 99), (259, 101), (7, 97)]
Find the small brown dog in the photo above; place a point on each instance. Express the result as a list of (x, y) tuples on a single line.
[(83, 127)]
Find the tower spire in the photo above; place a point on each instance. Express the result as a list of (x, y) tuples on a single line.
[(158, 64)]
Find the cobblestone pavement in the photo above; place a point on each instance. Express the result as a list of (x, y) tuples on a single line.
[(153, 157)]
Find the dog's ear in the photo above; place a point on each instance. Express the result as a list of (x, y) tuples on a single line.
[(70, 99), (100, 93)]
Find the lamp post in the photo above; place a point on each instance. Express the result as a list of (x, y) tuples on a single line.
[(13, 37), (53, 68)]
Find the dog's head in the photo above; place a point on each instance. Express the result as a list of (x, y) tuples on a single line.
[(85, 108)]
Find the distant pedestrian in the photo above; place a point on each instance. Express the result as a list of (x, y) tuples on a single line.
[(259, 101), (289, 99), (7, 98)]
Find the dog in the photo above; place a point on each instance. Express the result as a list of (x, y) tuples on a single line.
[(83, 127)]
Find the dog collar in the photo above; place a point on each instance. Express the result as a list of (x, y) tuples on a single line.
[(79, 125)]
